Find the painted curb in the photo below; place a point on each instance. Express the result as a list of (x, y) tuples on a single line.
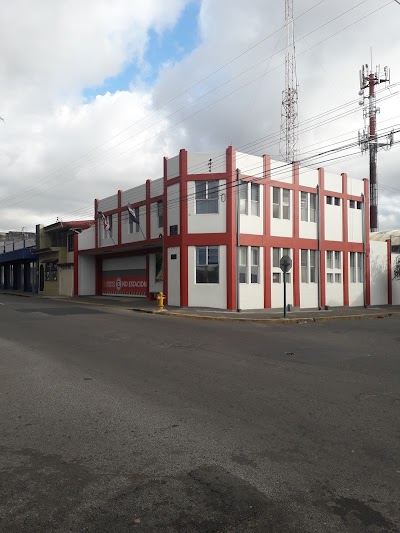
[(299, 320)]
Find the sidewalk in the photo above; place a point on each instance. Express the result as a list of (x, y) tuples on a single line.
[(142, 305)]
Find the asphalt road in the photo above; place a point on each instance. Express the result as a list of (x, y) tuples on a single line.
[(112, 421)]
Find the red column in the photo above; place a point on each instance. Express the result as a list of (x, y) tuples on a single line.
[(267, 231), (345, 239), (367, 245), (165, 251), (389, 270), (119, 217), (296, 236), (322, 274), (96, 222), (183, 222), (231, 228), (76, 266), (148, 208)]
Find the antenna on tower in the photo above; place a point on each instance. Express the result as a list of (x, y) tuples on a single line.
[(368, 138), (289, 116)]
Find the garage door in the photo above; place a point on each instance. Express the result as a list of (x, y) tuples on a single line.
[(124, 276)]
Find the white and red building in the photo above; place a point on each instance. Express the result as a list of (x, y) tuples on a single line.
[(186, 244)]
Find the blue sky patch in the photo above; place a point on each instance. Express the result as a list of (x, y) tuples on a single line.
[(170, 46)]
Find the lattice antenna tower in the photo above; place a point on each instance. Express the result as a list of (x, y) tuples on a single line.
[(289, 116), (368, 138)]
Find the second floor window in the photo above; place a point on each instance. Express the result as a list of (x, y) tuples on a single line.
[(206, 197), (308, 207), (281, 203), (252, 189), (107, 233), (133, 227)]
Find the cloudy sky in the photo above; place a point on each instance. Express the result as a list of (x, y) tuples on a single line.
[(95, 93)]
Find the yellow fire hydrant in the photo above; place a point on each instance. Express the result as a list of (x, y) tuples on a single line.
[(160, 301)]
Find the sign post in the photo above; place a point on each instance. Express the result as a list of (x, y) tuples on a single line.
[(285, 264)]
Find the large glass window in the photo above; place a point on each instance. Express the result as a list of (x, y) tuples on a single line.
[(304, 207), (276, 201), (360, 267), (353, 278), (255, 199), (206, 197), (160, 213), (286, 204), (313, 207), (207, 264), (313, 266), (255, 264), (243, 264), (304, 266), (243, 198)]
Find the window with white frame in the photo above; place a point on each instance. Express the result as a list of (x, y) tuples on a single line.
[(356, 267), (160, 213), (277, 275), (207, 264), (249, 195), (133, 227), (243, 194), (308, 259), (249, 264), (206, 197), (243, 264), (255, 265), (281, 203), (333, 266), (308, 202)]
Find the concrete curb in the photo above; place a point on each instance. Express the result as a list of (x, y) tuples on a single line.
[(298, 320)]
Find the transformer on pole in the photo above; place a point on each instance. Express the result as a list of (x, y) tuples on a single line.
[(289, 116), (368, 138)]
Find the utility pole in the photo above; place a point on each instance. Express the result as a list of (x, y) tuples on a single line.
[(368, 138), (289, 115)]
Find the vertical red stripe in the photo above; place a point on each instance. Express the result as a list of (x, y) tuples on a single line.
[(267, 232), (389, 270), (183, 216), (148, 207), (119, 217), (345, 238), (322, 274), (231, 227), (148, 274), (367, 245), (165, 251), (99, 275), (76, 266), (296, 236), (96, 222)]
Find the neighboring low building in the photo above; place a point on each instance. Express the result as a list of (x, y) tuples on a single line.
[(18, 262), (55, 251), (189, 216), (392, 235)]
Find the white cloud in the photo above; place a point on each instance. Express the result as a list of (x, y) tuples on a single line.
[(52, 54)]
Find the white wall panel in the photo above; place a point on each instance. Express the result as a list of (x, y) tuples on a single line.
[(333, 222), (173, 167), (333, 182), (281, 171), (379, 274), (251, 295), (355, 224), (173, 206), (174, 276), (203, 294), (87, 275), (207, 223), (355, 186), (249, 165), (156, 187), (87, 239), (308, 177), (131, 196), (198, 162), (109, 203)]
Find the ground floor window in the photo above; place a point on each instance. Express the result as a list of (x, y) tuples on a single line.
[(207, 264), (308, 266), (333, 267), (277, 274)]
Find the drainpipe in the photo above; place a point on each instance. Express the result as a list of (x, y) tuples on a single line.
[(319, 248), (364, 251)]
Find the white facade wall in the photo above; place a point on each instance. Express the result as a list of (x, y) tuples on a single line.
[(333, 222), (154, 286), (395, 282), (281, 171), (251, 295), (206, 223), (87, 239), (203, 294), (282, 227), (134, 195), (173, 167), (355, 187), (249, 165), (379, 273), (308, 177), (199, 162), (173, 206), (136, 236), (333, 182), (355, 225), (66, 281), (156, 187), (109, 203), (86, 275), (251, 224), (174, 276)]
